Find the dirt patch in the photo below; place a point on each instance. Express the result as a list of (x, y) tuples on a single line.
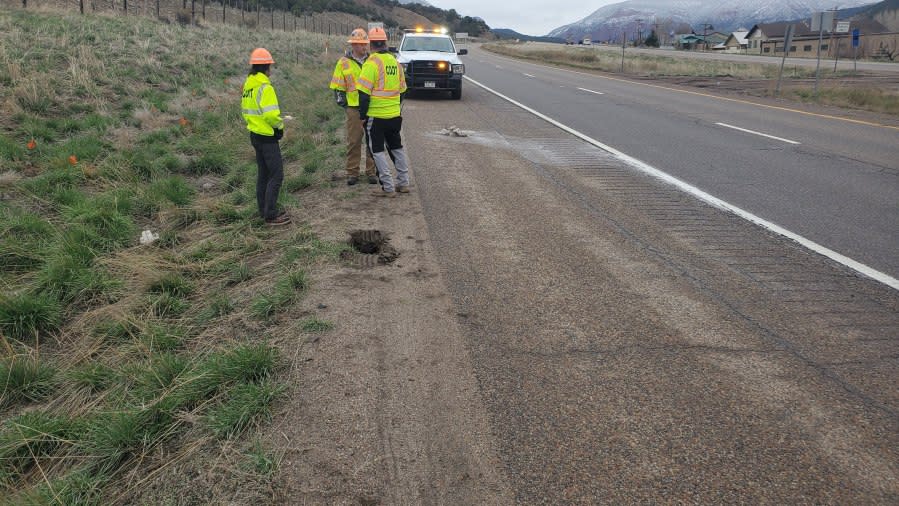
[(384, 407), (370, 248)]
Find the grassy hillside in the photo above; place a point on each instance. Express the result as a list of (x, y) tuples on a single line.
[(119, 360)]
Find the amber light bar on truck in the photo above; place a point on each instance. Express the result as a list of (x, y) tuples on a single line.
[(421, 29)]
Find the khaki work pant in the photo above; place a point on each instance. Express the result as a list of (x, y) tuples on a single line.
[(354, 145)]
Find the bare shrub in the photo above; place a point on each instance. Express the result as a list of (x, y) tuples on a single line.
[(184, 17)]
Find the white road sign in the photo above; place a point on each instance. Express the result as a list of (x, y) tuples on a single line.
[(842, 27)]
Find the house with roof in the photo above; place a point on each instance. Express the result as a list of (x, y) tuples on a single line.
[(736, 42), (689, 41), (762, 38), (693, 41), (768, 39)]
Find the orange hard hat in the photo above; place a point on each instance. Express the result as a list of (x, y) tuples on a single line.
[(377, 33), (260, 56), (358, 36)]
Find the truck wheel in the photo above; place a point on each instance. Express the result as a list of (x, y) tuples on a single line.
[(457, 93)]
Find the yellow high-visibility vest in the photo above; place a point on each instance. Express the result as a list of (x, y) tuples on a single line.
[(344, 79), (384, 80), (259, 105)]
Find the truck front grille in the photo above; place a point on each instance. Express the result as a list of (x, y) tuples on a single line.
[(428, 68)]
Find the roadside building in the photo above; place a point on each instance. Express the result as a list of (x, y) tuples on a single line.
[(762, 38), (714, 39), (696, 42), (737, 42), (875, 41)]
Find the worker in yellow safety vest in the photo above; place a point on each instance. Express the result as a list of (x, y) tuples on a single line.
[(381, 86), (343, 82), (262, 113)]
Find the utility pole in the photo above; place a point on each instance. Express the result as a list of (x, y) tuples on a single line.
[(705, 34)]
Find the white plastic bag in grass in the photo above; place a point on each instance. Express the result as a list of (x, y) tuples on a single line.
[(148, 237)]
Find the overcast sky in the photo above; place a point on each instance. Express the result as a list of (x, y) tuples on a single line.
[(531, 17)]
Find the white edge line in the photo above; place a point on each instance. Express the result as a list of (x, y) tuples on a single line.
[(591, 91), (710, 199), (757, 133)]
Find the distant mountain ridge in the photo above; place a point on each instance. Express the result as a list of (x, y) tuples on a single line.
[(609, 22)]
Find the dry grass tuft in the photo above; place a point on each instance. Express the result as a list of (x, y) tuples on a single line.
[(9, 178)]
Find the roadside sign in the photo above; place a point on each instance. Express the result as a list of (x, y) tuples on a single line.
[(822, 21), (788, 39), (461, 35), (842, 26), (856, 34), (375, 25)]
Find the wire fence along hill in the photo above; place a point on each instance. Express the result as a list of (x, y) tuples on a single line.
[(193, 12)]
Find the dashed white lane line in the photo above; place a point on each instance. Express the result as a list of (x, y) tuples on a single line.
[(708, 95), (592, 91), (859, 267), (753, 132), (529, 75)]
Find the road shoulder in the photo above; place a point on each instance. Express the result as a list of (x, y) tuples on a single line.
[(384, 407)]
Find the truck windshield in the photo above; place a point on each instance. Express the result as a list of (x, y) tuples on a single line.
[(442, 44)]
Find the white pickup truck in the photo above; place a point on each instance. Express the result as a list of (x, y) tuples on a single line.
[(431, 61)]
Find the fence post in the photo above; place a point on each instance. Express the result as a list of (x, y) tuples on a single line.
[(204, 10), (193, 10)]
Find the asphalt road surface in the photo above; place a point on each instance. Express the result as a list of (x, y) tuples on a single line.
[(833, 181), (633, 344), (826, 64)]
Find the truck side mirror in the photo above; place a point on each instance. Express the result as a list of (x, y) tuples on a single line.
[(392, 49), (462, 51)]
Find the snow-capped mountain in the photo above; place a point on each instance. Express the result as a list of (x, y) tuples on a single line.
[(611, 21)]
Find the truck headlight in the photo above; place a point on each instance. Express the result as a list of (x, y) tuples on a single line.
[(458, 69)]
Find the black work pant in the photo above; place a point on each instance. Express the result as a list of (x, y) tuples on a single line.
[(383, 132), (270, 174)]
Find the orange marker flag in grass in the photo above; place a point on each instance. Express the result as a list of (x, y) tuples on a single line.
[(183, 122), (31, 144), (73, 160)]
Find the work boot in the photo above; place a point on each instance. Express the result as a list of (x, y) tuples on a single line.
[(372, 179), (282, 219), (352, 180), (402, 189), (382, 193)]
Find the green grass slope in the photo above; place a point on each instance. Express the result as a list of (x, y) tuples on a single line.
[(119, 360)]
